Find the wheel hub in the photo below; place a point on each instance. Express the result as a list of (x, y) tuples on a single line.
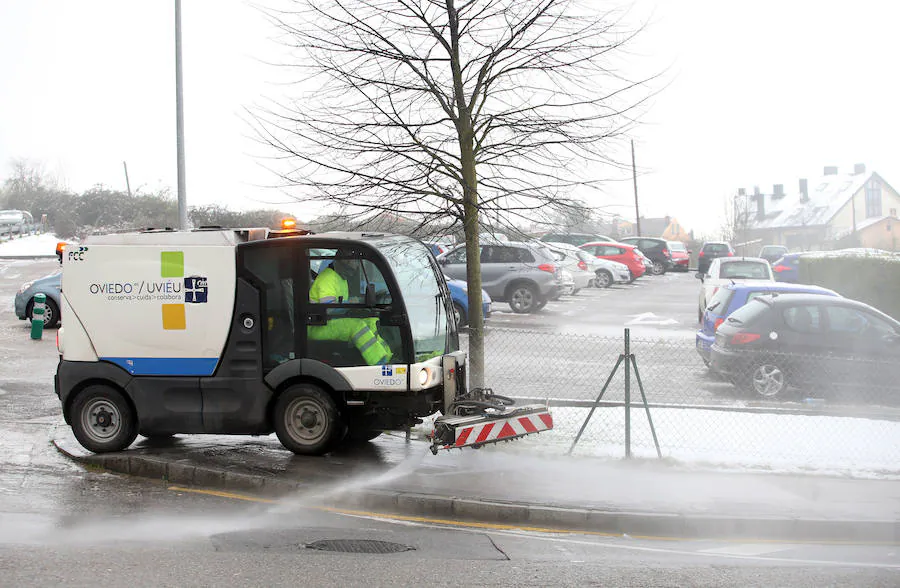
[(308, 419), (103, 419)]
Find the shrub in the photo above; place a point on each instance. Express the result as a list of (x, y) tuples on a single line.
[(868, 277)]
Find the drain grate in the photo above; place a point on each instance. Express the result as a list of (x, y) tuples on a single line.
[(359, 546)]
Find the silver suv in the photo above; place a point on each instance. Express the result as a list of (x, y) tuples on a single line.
[(524, 275)]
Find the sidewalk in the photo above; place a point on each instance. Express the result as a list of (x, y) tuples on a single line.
[(499, 485)]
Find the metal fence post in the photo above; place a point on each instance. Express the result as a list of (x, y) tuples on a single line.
[(627, 393)]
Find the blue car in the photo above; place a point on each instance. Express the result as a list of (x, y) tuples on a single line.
[(733, 296), (459, 293), (787, 268)]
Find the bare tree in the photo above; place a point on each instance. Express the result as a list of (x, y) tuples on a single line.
[(486, 112), (737, 218)]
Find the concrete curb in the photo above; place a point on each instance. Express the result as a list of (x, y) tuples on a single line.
[(547, 516)]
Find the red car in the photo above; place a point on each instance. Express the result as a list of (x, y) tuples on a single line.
[(618, 252), (681, 256)]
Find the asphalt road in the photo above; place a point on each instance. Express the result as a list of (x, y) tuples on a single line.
[(61, 524)]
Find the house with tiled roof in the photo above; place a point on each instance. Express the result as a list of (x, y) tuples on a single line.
[(834, 211)]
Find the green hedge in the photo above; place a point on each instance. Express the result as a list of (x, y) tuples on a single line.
[(870, 278)]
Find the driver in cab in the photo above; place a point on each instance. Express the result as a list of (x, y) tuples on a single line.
[(331, 286)]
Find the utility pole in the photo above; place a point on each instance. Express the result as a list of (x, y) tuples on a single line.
[(127, 183), (637, 212), (179, 123)]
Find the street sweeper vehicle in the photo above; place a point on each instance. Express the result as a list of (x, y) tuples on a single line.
[(320, 338)]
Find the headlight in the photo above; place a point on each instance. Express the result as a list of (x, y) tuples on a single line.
[(24, 287), (424, 376)]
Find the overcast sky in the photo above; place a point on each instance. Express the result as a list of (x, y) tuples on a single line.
[(761, 93)]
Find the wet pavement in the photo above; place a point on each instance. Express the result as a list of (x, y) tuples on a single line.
[(500, 485)]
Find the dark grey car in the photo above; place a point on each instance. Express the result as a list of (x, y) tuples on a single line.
[(524, 275)]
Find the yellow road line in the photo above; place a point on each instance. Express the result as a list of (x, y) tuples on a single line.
[(220, 494), (506, 527)]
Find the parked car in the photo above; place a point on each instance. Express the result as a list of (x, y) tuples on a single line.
[(16, 222), (731, 297), (681, 256), (576, 239), (787, 268), (730, 270), (566, 284), (523, 275), (655, 249), (819, 343), (49, 286), (605, 272), (710, 251), (773, 253), (620, 252), (572, 259), (459, 294)]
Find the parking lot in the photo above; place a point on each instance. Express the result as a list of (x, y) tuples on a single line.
[(658, 306)]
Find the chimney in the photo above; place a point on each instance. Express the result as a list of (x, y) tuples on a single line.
[(760, 203), (859, 168), (831, 170), (778, 191), (742, 192), (804, 190)]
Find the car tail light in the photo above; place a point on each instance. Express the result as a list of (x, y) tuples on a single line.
[(743, 338), (700, 254), (718, 322), (547, 267), (780, 268), (731, 254), (582, 266), (667, 253)]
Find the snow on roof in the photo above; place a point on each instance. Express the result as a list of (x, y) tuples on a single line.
[(827, 195)]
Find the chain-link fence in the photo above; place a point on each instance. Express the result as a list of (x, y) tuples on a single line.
[(760, 410)]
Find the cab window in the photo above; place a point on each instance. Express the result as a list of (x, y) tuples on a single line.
[(342, 330)]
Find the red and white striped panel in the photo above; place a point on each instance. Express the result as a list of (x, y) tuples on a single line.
[(500, 429)]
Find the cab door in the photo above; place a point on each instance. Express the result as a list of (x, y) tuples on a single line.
[(262, 335)]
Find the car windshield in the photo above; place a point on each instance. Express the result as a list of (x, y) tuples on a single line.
[(421, 288), (745, 270)]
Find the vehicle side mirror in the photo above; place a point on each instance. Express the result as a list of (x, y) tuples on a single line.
[(370, 294), (699, 276)]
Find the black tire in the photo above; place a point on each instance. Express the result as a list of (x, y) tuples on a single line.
[(540, 305), (307, 420), (461, 318), (102, 419), (51, 313), (657, 269), (604, 279), (523, 298)]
